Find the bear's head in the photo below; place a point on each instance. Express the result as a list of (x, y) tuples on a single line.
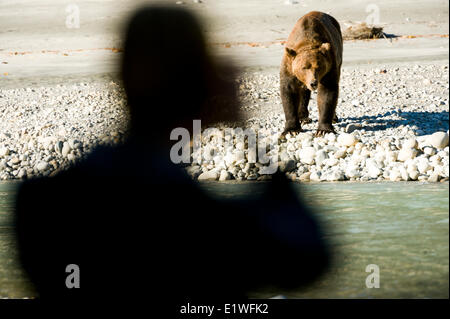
[(310, 64)]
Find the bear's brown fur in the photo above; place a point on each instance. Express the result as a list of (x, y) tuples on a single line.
[(312, 60)]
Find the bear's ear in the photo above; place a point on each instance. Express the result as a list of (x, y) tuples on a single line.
[(325, 47), (291, 52)]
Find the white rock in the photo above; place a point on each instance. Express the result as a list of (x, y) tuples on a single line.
[(406, 154), (305, 176), (341, 153), (321, 155), (331, 162), (352, 171), (380, 157), (355, 102), (246, 168), (331, 137), (374, 171), (65, 149), (315, 176), (429, 150), (391, 156), (346, 139), (267, 170), (439, 169), (291, 147), (410, 143), (412, 166), (434, 178), (224, 175), (335, 175), (403, 173), (229, 159), (208, 175), (42, 166), (22, 173), (435, 160), (413, 175), (442, 154), (395, 175), (438, 139), (59, 146), (75, 144), (423, 165), (4, 151), (306, 155), (61, 132)]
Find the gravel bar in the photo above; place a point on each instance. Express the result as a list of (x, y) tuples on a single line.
[(393, 125)]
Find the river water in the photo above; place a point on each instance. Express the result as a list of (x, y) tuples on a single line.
[(401, 227)]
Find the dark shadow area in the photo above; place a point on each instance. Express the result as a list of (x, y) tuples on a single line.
[(424, 121), (390, 35), (136, 225)]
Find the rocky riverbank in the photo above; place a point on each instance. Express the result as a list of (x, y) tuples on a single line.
[(393, 126), (46, 129)]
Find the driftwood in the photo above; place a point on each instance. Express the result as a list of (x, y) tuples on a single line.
[(363, 31)]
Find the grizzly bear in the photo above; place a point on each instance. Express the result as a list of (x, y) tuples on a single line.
[(312, 60)]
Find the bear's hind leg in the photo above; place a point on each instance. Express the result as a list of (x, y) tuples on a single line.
[(327, 96), (303, 113)]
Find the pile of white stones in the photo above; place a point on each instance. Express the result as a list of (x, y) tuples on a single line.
[(334, 157)]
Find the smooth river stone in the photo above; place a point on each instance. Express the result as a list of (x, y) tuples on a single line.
[(346, 139), (306, 155), (438, 139), (406, 154), (42, 166), (209, 175)]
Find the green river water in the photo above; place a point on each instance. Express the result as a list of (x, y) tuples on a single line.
[(402, 227)]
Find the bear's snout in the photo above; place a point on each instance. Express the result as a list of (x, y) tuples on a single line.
[(313, 84)]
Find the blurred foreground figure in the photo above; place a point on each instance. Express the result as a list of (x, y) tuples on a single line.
[(134, 223)]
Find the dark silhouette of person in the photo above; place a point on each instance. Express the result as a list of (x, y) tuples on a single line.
[(136, 225)]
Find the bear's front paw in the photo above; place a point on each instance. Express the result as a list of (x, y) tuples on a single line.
[(323, 132), (292, 131), (324, 129)]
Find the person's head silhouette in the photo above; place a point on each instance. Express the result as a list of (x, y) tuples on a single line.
[(168, 74)]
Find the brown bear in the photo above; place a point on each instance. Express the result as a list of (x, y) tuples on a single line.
[(312, 60)]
